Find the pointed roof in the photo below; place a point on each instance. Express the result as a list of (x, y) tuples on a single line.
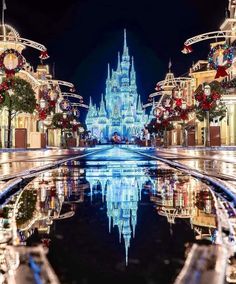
[(125, 47), (132, 65), (102, 110), (169, 82), (139, 105), (118, 63)]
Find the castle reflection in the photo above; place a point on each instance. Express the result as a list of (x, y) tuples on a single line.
[(119, 186)]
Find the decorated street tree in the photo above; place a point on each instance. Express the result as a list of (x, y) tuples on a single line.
[(181, 112), (209, 105), (17, 96), (162, 121), (67, 120)]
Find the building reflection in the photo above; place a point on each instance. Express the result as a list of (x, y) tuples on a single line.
[(178, 196), (40, 202)]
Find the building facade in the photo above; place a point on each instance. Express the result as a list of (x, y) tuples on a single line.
[(120, 109)]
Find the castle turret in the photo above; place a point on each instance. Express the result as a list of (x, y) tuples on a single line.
[(125, 63)]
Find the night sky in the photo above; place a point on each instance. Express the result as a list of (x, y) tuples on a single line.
[(82, 36)]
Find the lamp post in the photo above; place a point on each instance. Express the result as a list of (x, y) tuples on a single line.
[(184, 107), (207, 92), (61, 123), (165, 140)]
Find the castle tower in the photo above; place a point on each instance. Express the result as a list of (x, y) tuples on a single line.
[(121, 108)]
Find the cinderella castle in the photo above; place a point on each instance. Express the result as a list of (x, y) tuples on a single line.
[(121, 109)]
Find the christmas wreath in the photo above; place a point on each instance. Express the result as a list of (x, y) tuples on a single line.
[(220, 58), (49, 103), (65, 105), (11, 62), (59, 122)]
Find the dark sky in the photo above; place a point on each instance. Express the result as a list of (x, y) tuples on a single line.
[(83, 35)]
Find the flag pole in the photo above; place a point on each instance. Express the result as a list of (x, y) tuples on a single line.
[(3, 19)]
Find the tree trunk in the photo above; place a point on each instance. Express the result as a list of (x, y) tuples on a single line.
[(9, 129)]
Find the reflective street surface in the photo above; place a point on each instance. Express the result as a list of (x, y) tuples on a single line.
[(13, 163), (112, 217)]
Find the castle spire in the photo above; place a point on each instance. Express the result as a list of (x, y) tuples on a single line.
[(90, 102), (139, 105), (102, 110), (108, 72), (125, 48), (118, 63), (125, 42), (132, 65)]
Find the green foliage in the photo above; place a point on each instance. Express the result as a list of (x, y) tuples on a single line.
[(27, 206), (23, 97)]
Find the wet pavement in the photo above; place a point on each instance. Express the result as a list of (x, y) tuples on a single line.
[(14, 163), (114, 217)]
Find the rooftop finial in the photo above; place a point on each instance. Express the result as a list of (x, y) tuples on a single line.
[(125, 43), (169, 65), (4, 7), (108, 72), (132, 66)]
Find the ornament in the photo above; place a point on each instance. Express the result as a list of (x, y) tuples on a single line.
[(11, 62), (220, 58), (65, 105), (158, 112)]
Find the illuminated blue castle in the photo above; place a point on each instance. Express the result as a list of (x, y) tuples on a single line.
[(121, 109)]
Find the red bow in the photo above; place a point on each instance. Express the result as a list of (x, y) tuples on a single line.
[(221, 72), (187, 49), (44, 55)]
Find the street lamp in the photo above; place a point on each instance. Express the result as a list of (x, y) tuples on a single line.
[(42, 103), (207, 92)]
